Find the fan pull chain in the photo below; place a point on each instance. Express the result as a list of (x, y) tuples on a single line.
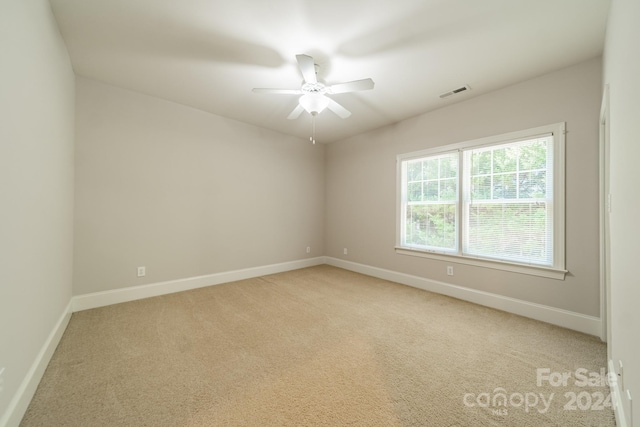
[(312, 138)]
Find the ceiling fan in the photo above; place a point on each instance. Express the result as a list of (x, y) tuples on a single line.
[(314, 93)]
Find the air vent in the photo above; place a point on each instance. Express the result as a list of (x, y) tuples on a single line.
[(455, 91)]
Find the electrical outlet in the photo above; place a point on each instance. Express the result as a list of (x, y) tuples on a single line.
[(308, 249), (449, 270), (345, 251), (142, 271)]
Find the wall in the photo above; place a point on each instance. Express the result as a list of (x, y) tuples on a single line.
[(36, 194), (185, 193), (361, 185), (622, 68)]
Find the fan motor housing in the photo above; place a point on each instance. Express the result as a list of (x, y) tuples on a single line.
[(317, 88)]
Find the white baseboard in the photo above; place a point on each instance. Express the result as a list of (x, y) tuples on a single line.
[(568, 319), (20, 402), (616, 400), (116, 296)]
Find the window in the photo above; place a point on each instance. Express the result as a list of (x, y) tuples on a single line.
[(496, 202), (431, 204)]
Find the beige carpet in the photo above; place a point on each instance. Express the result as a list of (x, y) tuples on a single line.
[(318, 346)]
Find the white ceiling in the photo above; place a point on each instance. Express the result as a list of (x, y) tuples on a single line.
[(209, 54)]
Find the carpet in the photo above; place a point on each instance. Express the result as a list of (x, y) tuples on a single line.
[(320, 346)]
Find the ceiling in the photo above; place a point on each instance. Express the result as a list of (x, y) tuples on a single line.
[(209, 54)]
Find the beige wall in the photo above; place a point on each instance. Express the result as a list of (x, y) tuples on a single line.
[(185, 193), (36, 188), (361, 185), (622, 70)]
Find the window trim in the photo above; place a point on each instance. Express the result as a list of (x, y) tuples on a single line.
[(557, 271)]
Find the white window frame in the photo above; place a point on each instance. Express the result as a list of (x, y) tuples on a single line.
[(557, 271)]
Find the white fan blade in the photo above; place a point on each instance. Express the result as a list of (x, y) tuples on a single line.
[(353, 86), (307, 68), (277, 91), (296, 112), (338, 109)]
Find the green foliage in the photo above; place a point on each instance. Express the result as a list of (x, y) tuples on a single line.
[(533, 156), (431, 226), (516, 171), (433, 179)]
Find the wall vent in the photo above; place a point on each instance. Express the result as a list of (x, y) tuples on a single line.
[(455, 91)]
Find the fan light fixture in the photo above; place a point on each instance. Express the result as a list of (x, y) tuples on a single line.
[(314, 99), (313, 103)]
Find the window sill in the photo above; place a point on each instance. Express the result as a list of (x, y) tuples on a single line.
[(533, 270)]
